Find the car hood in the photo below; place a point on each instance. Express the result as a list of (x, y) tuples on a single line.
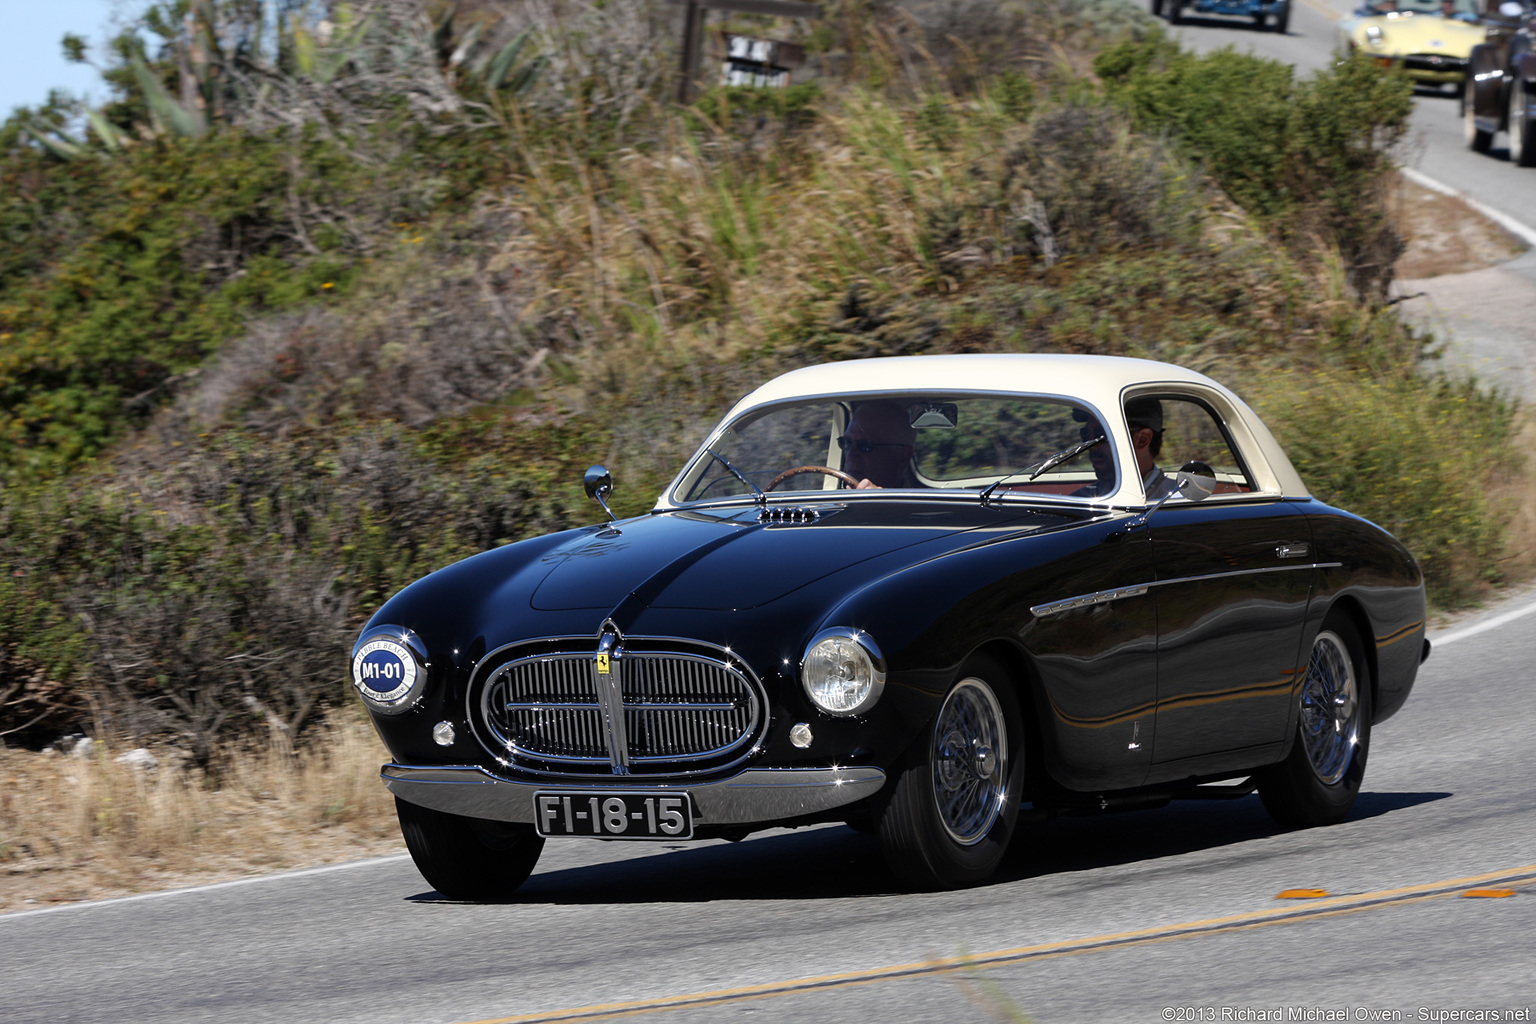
[(730, 561), (1425, 33)]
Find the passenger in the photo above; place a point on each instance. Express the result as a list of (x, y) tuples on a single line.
[(877, 449)]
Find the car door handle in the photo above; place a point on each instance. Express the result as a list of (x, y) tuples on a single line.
[(1297, 549)]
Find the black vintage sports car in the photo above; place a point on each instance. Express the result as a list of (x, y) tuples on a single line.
[(1500, 94), (918, 595)]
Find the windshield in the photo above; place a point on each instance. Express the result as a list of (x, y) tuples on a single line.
[(922, 441), (1465, 10)]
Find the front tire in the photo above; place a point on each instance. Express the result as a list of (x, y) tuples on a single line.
[(1318, 781), (468, 858), (1283, 19), (1175, 11), (1522, 134), (951, 812)]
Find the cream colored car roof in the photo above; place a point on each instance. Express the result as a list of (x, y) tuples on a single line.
[(1100, 382)]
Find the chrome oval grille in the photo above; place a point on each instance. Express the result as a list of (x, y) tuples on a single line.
[(680, 711)]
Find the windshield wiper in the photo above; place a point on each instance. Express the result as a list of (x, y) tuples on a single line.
[(1064, 455), (762, 499)]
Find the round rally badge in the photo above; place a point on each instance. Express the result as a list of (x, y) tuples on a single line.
[(384, 671)]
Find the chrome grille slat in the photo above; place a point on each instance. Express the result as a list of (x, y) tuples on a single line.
[(677, 708)]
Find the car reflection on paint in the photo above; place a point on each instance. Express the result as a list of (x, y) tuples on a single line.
[(920, 595)]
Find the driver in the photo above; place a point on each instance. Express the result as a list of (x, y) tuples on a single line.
[(877, 449), (1145, 418)]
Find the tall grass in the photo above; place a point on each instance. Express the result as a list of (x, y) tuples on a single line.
[(75, 828)]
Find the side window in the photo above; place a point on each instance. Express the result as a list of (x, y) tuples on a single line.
[(1185, 430)]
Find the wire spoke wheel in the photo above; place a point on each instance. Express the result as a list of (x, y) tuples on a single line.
[(1320, 777), (1330, 709), (970, 761), (949, 816)]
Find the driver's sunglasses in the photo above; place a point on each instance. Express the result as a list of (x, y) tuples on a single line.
[(865, 446)]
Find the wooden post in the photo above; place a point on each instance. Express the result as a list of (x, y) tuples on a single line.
[(693, 48)]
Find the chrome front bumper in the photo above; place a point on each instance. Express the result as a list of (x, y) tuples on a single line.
[(754, 796)]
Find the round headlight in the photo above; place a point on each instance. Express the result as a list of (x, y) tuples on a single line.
[(843, 671), (389, 669)]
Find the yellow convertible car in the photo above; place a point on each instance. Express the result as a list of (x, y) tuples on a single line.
[(1431, 40)]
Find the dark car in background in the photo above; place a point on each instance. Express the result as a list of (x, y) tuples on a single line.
[(1276, 13), (1501, 86), (919, 595)]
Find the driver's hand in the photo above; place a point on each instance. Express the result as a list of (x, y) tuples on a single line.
[(867, 485)]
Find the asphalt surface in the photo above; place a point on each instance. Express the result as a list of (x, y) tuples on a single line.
[(1169, 914)]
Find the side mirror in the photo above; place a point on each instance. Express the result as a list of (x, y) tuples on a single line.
[(599, 484), (1196, 481)]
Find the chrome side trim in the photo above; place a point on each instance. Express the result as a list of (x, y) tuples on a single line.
[(756, 796), (1119, 593), (1100, 597)]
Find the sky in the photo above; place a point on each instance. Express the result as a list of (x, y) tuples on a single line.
[(31, 59)]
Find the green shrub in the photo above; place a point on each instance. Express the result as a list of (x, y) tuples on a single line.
[(1414, 455), (1309, 157), (218, 594)]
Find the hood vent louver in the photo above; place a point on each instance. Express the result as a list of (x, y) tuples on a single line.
[(792, 515)]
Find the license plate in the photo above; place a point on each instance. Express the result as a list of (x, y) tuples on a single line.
[(614, 815)]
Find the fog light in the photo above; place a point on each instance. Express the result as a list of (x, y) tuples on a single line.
[(800, 735), (442, 732)]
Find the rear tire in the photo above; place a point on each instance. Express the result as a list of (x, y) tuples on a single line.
[(950, 814), (1478, 141), (468, 858), (1283, 18), (1175, 12), (1319, 779), (1157, 8)]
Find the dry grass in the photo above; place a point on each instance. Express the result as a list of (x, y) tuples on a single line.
[(1444, 235), (1517, 492), (78, 829)]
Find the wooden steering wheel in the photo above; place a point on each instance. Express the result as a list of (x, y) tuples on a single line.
[(828, 470)]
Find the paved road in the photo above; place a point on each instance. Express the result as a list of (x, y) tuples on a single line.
[(1450, 800)]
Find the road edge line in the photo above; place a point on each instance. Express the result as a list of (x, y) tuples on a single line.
[(229, 883), (1524, 232), (1437, 642)]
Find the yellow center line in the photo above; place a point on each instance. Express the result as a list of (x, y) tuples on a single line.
[(1324, 10), (1253, 919)]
